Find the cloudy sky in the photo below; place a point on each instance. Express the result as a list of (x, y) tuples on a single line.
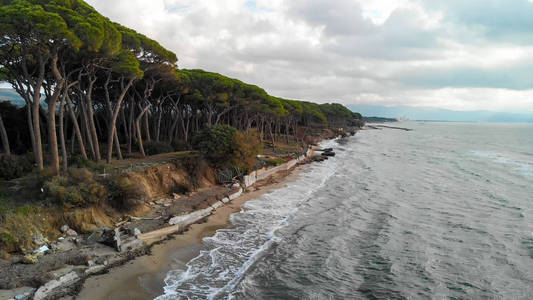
[(454, 54)]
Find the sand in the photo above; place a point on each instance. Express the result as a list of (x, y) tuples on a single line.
[(143, 277)]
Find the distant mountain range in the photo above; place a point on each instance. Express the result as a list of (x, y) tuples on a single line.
[(435, 114)]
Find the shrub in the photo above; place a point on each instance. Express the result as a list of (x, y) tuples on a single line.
[(154, 148), (82, 163), (13, 166), (77, 188), (246, 147), (273, 161), (215, 142), (180, 145), (8, 242), (225, 146)]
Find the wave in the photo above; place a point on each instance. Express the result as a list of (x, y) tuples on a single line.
[(520, 162), (231, 252)]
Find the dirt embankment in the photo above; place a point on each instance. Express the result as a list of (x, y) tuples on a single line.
[(148, 197)]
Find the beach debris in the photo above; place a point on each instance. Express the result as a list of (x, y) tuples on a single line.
[(61, 238), (46, 290), (94, 269), (64, 228), (136, 231), (176, 196), (42, 250), (120, 238), (96, 236), (71, 232)]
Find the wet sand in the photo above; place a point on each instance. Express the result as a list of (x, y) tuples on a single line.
[(143, 277)]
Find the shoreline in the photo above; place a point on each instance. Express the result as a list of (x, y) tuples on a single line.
[(144, 275)]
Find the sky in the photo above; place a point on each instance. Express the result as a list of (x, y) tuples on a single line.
[(453, 54)]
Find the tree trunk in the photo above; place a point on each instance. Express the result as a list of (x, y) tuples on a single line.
[(147, 128), (130, 127), (5, 140), (91, 125), (139, 136), (111, 131), (36, 120), (62, 133), (76, 127)]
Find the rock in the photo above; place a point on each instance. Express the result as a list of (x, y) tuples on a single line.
[(136, 231), (30, 259), (64, 228), (71, 232)]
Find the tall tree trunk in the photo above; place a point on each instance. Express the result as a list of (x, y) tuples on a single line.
[(62, 133), (85, 128), (76, 126), (139, 136), (130, 126), (112, 127), (52, 134), (147, 128), (90, 118), (5, 140), (36, 117)]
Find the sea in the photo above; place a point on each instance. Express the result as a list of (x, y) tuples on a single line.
[(444, 211)]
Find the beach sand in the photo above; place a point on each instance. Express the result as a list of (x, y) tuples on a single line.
[(143, 277)]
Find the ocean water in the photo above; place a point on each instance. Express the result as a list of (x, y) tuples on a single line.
[(441, 212)]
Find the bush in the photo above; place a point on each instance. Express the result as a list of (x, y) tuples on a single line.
[(82, 163), (13, 166), (225, 146), (273, 161), (246, 147), (77, 188), (180, 145), (215, 142), (154, 148)]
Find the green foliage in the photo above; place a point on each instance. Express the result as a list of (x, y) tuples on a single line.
[(14, 166), (215, 143), (246, 147), (273, 161), (225, 146), (154, 148), (8, 242), (77, 188), (80, 162)]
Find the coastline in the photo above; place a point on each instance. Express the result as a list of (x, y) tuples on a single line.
[(144, 276)]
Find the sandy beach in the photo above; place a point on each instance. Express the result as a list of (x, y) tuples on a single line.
[(143, 277)]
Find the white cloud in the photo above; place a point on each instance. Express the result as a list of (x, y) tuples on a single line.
[(410, 52)]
